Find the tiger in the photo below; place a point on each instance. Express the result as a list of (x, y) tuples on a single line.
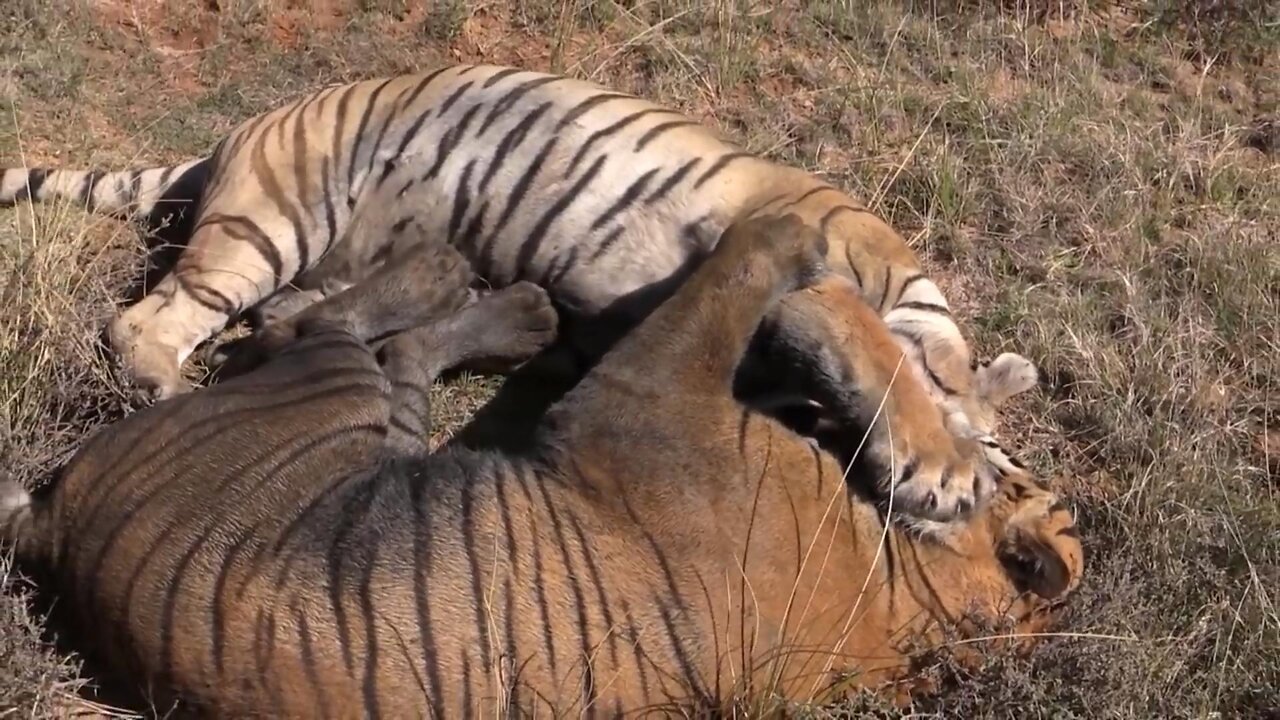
[(281, 544), (605, 199)]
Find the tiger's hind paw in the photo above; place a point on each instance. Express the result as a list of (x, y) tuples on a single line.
[(513, 325)]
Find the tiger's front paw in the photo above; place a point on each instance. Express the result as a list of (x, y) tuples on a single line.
[(932, 474)]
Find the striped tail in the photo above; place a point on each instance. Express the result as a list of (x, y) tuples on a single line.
[(126, 193)]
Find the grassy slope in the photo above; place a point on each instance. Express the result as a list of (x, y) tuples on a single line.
[(1098, 191)]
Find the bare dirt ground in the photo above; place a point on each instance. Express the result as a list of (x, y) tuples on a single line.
[(1096, 185)]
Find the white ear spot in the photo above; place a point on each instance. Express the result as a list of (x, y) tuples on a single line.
[(1006, 376)]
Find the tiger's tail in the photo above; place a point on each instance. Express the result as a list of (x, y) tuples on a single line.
[(125, 193)]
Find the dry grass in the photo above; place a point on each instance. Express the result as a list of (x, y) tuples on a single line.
[(1096, 185)]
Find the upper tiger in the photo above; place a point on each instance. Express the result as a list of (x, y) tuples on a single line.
[(603, 198)]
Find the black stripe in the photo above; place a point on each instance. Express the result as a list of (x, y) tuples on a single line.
[(244, 229), (461, 201), (656, 550), (808, 194), (610, 240), (264, 650), (658, 130), (172, 592), (422, 85), (340, 135), (909, 282), (918, 343), (371, 649), (529, 249), (202, 294), (30, 190), (449, 142), (330, 209), (581, 108), (667, 185), (1070, 531), (369, 105), (477, 592), (603, 133), (497, 77), (272, 191), (453, 98), (422, 557), (353, 512), (135, 187), (88, 186), (548, 640), (678, 649), (886, 286), (467, 703), (718, 166), (511, 141), (485, 264), (473, 229), (308, 658), (927, 307), (638, 654), (580, 605), (511, 98), (169, 606), (504, 512), (217, 614), (162, 184), (1057, 506), (281, 124), (628, 197), (191, 438), (394, 108), (598, 581), (570, 261), (302, 177), (831, 214)]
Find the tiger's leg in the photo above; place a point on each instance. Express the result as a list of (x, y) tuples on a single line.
[(425, 283), (506, 326), (691, 345), (218, 275), (838, 345)]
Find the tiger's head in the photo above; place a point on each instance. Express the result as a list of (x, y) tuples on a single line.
[(1032, 538)]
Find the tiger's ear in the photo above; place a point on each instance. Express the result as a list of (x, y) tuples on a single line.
[(1006, 376), (1033, 564)]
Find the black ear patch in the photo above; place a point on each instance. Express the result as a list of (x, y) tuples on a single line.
[(1033, 565)]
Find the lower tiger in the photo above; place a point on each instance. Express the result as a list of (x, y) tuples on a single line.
[(605, 200), (281, 545)]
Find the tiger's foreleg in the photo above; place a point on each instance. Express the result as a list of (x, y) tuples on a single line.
[(229, 265), (836, 343), (691, 345), (507, 326)]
